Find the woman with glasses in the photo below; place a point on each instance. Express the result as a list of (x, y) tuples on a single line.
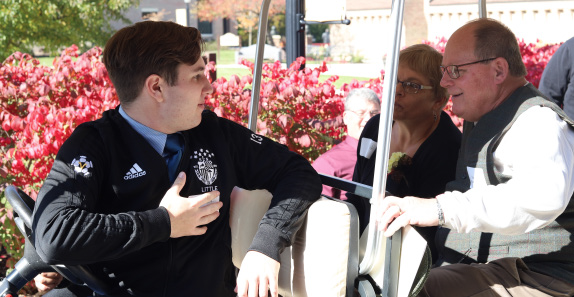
[(424, 140)]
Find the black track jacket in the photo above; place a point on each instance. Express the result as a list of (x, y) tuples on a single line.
[(99, 205)]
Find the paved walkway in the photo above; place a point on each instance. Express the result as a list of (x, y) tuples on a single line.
[(369, 70)]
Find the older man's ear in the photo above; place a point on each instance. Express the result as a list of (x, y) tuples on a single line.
[(501, 70)]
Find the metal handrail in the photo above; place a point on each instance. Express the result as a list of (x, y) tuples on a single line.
[(482, 13), (381, 252), (375, 262), (256, 90)]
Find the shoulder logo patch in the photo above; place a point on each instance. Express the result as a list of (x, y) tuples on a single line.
[(82, 165), (205, 170), (256, 138), (134, 172)]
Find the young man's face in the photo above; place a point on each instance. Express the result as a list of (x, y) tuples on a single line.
[(186, 99)]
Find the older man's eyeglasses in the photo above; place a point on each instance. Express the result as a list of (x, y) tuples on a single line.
[(362, 113), (453, 71), (411, 87)]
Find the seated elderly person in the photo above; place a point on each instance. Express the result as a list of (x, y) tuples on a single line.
[(506, 221), (360, 105), (424, 140)]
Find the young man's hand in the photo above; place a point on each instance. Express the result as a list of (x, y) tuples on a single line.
[(188, 216), (258, 275)]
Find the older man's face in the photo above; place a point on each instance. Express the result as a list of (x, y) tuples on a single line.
[(358, 113), (473, 92)]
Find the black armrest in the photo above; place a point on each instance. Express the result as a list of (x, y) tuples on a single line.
[(31, 264)]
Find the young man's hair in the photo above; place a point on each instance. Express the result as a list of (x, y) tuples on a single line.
[(426, 61), (145, 48), (493, 39)]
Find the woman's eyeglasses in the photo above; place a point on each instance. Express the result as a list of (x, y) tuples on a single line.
[(411, 87)]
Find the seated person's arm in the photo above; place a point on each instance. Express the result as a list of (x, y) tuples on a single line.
[(294, 184), (558, 74), (540, 188), (539, 191)]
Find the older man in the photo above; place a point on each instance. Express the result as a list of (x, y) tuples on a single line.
[(360, 105), (506, 221)]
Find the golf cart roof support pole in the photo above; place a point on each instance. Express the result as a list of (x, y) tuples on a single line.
[(482, 9), (294, 30), (254, 107), (378, 247)]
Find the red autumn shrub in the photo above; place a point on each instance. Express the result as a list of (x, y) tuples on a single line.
[(39, 108), (295, 109), (535, 57)]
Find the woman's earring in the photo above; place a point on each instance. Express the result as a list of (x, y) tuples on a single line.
[(434, 115)]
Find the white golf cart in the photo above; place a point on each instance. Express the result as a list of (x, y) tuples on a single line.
[(329, 257)]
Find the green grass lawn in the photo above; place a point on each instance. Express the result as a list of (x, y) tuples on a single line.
[(227, 57), (343, 79), (227, 72), (46, 61)]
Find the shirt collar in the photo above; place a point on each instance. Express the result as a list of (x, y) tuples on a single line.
[(155, 138)]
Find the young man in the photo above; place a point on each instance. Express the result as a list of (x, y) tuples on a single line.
[(506, 221), (112, 203)]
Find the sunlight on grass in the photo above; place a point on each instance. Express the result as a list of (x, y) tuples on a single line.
[(227, 57), (342, 79), (46, 61), (227, 72)]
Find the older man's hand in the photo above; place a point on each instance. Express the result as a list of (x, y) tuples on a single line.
[(395, 212)]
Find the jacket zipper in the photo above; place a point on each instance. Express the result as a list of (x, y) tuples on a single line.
[(169, 262)]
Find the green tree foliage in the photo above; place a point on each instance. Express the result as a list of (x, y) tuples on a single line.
[(277, 20), (246, 12), (316, 30), (53, 24)]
